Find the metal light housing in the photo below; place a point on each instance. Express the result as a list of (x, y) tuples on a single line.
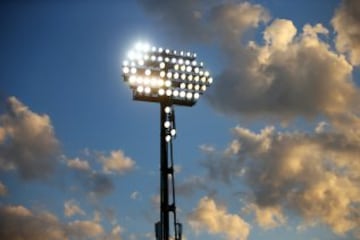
[(163, 75)]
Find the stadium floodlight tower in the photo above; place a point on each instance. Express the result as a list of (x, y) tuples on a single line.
[(170, 78)]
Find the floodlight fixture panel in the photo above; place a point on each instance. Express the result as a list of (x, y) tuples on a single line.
[(163, 75)]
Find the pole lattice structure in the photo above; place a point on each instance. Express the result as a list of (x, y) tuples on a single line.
[(170, 78)]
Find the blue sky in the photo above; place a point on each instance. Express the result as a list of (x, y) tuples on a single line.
[(271, 151)]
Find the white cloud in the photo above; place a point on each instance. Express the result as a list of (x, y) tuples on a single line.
[(27, 141), (315, 175), (135, 195), (78, 164), (71, 208), (215, 219), (117, 162)]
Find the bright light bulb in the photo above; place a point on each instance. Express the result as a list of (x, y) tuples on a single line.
[(140, 89), (147, 90), (153, 58), (176, 75), (153, 49), (201, 64), (182, 94), (173, 132), (196, 95), (169, 75), (196, 70), (176, 93), (167, 51), (182, 85), (183, 76), (210, 80), (125, 63), (132, 80), (201, 73), (187, 62), (189, 95), (160, 50), (133, 70), (181, 61), (139, 80), (168, 138), (146, 81), (194, 63), (167, 109), (176, 67), (126, 70), (188, 54), (196, 78), (153, 82), (162, 74), (203, 88), (182, 53), (167, 59), (183, 68), (147, 72), (161, 92), (167, 83), (206, 73), (162, 65), (146, 57), (160, 82), (168, 92), (190, 77), (190, 86), (173, 60), (203, 79), (167, 124), (160, 59), (188, 68), (197, 87), (141, 62)]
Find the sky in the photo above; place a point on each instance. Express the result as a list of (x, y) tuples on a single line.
[(270, 151)]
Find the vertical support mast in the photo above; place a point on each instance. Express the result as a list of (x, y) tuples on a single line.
[(164, 186)]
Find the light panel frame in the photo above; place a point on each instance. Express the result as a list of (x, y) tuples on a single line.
[(155, 74)]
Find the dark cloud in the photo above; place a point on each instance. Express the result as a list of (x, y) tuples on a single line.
[(99, 184), (18, 222), (346, 23), (27, 141)]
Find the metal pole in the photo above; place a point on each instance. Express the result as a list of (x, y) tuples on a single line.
[(164, 186)]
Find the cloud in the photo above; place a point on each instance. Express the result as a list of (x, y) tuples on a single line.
[(18, 222), (315, 175), (117, 162), (78, 164), (3, 189), (71, 208), (27, 141), (206, 21), (346, 23), (135, 195), (267, 217), (215, 219), (191, 185), (99, 184), (289, 76)]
